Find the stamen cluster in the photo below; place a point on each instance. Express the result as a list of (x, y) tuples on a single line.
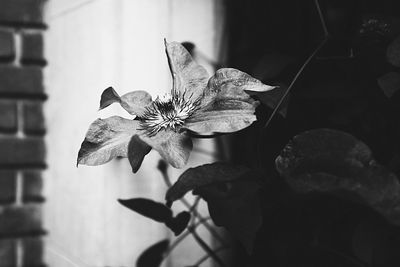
[(168, 111)]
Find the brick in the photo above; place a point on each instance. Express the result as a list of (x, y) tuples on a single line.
[(20, 220), (8, 185), (7, 45), (32, 49), (33, 118), (33, 252), (8, 253), (32, 186), (22, 12), (22, 151), (28, 80), (8, 116)]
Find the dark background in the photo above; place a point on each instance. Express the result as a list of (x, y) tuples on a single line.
[(271, 39)]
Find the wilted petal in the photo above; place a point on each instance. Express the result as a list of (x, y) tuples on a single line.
[(174, 147), (106, 139), (137, 150), (228, 83), (134, 102), (186, 73)]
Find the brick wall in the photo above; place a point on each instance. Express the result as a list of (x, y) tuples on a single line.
[(22, 129)]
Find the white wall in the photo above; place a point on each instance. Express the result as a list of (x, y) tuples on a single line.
[(91, 45)]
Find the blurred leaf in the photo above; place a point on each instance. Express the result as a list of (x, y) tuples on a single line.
[(204, 175), (179, 223), (108, 97), (335, 162), (148, 208), (272, 98), (389, 83), (393, 52), (137, 149), (106, 139), (236, 206), (153, 256)]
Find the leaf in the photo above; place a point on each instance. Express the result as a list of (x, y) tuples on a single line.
[(393, 52), (148, 208), (108, 97), (189, 78), (179, 223), (106, 139), (235, 205), (203, 175), (154, 255), (272, 98), (134, 102), (137, 150), (389, 83), (335, 162)]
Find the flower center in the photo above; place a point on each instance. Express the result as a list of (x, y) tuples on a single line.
[(167, 111)]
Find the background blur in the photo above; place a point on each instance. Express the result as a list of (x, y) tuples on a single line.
[(56, 58)]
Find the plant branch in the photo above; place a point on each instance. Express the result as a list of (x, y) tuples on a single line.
[(294, 80), (321, 17), (194, 211), (179, 239), (326, 34), (204, 245), (205, 257)]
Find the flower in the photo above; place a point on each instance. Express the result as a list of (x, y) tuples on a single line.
[(196, 104)]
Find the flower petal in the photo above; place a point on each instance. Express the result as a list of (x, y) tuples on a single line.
[(134, 102), (174, 147), (137, 150), (232, 84), (223, 117), (187, 75), (106, 139)]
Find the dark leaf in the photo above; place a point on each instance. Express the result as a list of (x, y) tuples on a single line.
[(179, 223), (154, 255), (108, 97), (272, 98), (389, 83), (393, 52), (335, 162), (148, 208), (204, 175), (137, 149), (236, 206)]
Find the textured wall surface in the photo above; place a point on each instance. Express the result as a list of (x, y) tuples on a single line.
[(22, 129)]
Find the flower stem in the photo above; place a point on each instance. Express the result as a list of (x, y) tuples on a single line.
[(179, 239), (326, 37)]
